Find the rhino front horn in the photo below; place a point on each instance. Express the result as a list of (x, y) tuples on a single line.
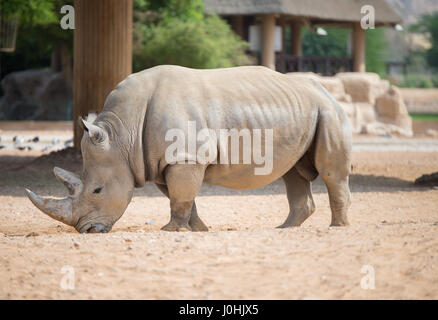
[(59, 209)]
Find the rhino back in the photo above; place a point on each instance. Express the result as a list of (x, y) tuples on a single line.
[(233, 98)]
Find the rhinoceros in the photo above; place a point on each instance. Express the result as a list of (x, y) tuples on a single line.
[(125, 145)]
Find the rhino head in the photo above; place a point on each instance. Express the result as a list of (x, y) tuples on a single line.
[(99, 197)]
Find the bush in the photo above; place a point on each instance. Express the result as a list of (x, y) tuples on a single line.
[(375, 50), (29, 11), (428, 25), (334, 44), (418, 81), (186, 39)]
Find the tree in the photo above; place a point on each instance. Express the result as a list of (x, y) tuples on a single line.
[(428, 25), (334, 44), (39, 34), (375, 51), (29, 11), (178, 32)]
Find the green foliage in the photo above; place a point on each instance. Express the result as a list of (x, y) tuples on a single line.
[(375, 51), (186, 10), (334, 44), (429, 25), (36, 40), (29, 11), (179, 33), (419, 81), (424, 116)]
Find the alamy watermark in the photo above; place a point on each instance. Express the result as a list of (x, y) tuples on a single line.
[(68, 20), (368, 281), (68, 278), (223, 146), (368, 19)]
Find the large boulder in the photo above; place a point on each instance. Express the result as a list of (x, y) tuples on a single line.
[(35, 95), (391, 109), (363, 87), (331, 84), (372, 105)]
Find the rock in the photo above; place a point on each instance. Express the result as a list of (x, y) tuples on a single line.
[(36, 139), (18, 139), (432, 133), (331, 84), (69, 143), (363, 87), (391, 109), (427, 180), (372, 105), (32, 234), (384, 129), (40, 94), (336, 88)]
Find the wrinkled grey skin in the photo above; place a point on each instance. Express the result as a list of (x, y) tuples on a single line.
[(125, 145)]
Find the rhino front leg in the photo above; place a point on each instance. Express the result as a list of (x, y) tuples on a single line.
[(299, 195), (183, 183), (195, 221)]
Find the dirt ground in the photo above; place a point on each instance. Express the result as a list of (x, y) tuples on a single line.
[(393, 236)]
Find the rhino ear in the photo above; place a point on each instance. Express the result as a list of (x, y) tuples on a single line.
[(97, 134), (91, 117)]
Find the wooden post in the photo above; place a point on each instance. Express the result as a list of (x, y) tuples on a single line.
[(102, 53), (358, 48), (295, 38), (283, 36), (268, 38), (237, 25)]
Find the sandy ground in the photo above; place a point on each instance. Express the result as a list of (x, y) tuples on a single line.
[(393, 234)]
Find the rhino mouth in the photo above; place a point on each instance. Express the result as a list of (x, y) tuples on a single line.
[(94, 228), (93, 225)]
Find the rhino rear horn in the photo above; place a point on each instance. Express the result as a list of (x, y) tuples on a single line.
[(70, 180), (58, 209)]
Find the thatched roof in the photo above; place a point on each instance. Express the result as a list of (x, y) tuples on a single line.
[(325, 10)]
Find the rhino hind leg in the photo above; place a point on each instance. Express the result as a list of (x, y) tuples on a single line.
[(340, 200), (183, 183), (299, 195), (333, 162)]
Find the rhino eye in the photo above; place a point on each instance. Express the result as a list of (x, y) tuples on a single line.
[(97, 190)]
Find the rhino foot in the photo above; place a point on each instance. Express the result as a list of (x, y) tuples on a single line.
[(173, 226), (197, 225), (340, 223)]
